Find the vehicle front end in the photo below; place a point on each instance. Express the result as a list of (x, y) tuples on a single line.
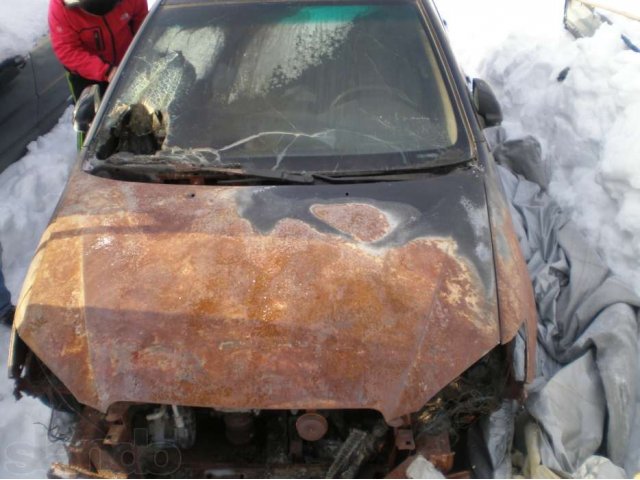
[(285, 256)]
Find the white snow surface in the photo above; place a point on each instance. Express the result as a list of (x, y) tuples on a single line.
[(29, 191), (588, 126), (25, 451), (22, 23)]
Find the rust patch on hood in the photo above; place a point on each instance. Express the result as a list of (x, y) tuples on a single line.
[(166, 294), (364, 223)]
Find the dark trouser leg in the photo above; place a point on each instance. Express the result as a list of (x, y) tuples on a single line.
[(77, 84), (5, 297)]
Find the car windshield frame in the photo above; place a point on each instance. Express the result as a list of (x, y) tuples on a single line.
[(460, 151)]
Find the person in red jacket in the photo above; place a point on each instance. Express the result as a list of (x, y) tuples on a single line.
[(90, 37)]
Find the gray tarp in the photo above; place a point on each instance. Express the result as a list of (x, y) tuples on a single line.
[(584, 399)]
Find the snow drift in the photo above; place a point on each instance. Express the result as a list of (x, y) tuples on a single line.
[(587, 123)]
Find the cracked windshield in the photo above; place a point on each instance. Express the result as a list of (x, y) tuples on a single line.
[(305, 88)]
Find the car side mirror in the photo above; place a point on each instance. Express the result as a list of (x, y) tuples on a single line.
[(86, 108), (486, 103)]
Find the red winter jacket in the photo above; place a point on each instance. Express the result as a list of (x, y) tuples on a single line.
[(89, 45)]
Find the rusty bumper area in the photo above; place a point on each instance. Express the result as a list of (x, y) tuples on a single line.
[(110, 447), (151, 440), (222, 297)]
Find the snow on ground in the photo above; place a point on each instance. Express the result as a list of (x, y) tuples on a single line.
[(587, 124), (22, 22), (25, 451), (29, 191)]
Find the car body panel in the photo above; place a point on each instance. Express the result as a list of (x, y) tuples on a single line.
[(516, 304), (18, 124), (33, 99), (51, 84), (329, 296)]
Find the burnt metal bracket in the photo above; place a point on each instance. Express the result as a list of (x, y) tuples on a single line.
[(404, 439)]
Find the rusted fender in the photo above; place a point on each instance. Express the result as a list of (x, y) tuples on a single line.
[(516, 302)]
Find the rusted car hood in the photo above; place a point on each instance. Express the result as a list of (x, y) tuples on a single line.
[(330, 296)]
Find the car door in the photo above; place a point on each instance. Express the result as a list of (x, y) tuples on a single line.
[(19, 108), (51, 86)]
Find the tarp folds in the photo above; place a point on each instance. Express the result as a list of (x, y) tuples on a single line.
[(585, 396)]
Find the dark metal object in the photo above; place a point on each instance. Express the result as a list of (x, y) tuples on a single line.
[(404, 439), (239, 428), (296, 449), (120, 428), (86, 107), (88, 454), (172, 425), (355, 450), (92, 452), (486, 103), (295, 470), (437, 449), (351, 445), (311, 426)]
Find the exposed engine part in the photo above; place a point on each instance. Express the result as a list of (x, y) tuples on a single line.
[(281, 471), (437, 449), (32, 377), (153, 440), (354, 442), (476, 393), (175, 428), (434, 448), (404, 439), (296, 448), (239, 428), (312, 426), (61, 426), (119, 420), (355, 450)]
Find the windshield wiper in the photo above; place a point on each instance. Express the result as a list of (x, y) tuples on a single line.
[(437, 164), (206, 164), (159, 169)]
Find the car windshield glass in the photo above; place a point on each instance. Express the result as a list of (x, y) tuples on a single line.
[(307, 87)]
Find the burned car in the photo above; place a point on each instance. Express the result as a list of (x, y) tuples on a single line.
[(283, 252)]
